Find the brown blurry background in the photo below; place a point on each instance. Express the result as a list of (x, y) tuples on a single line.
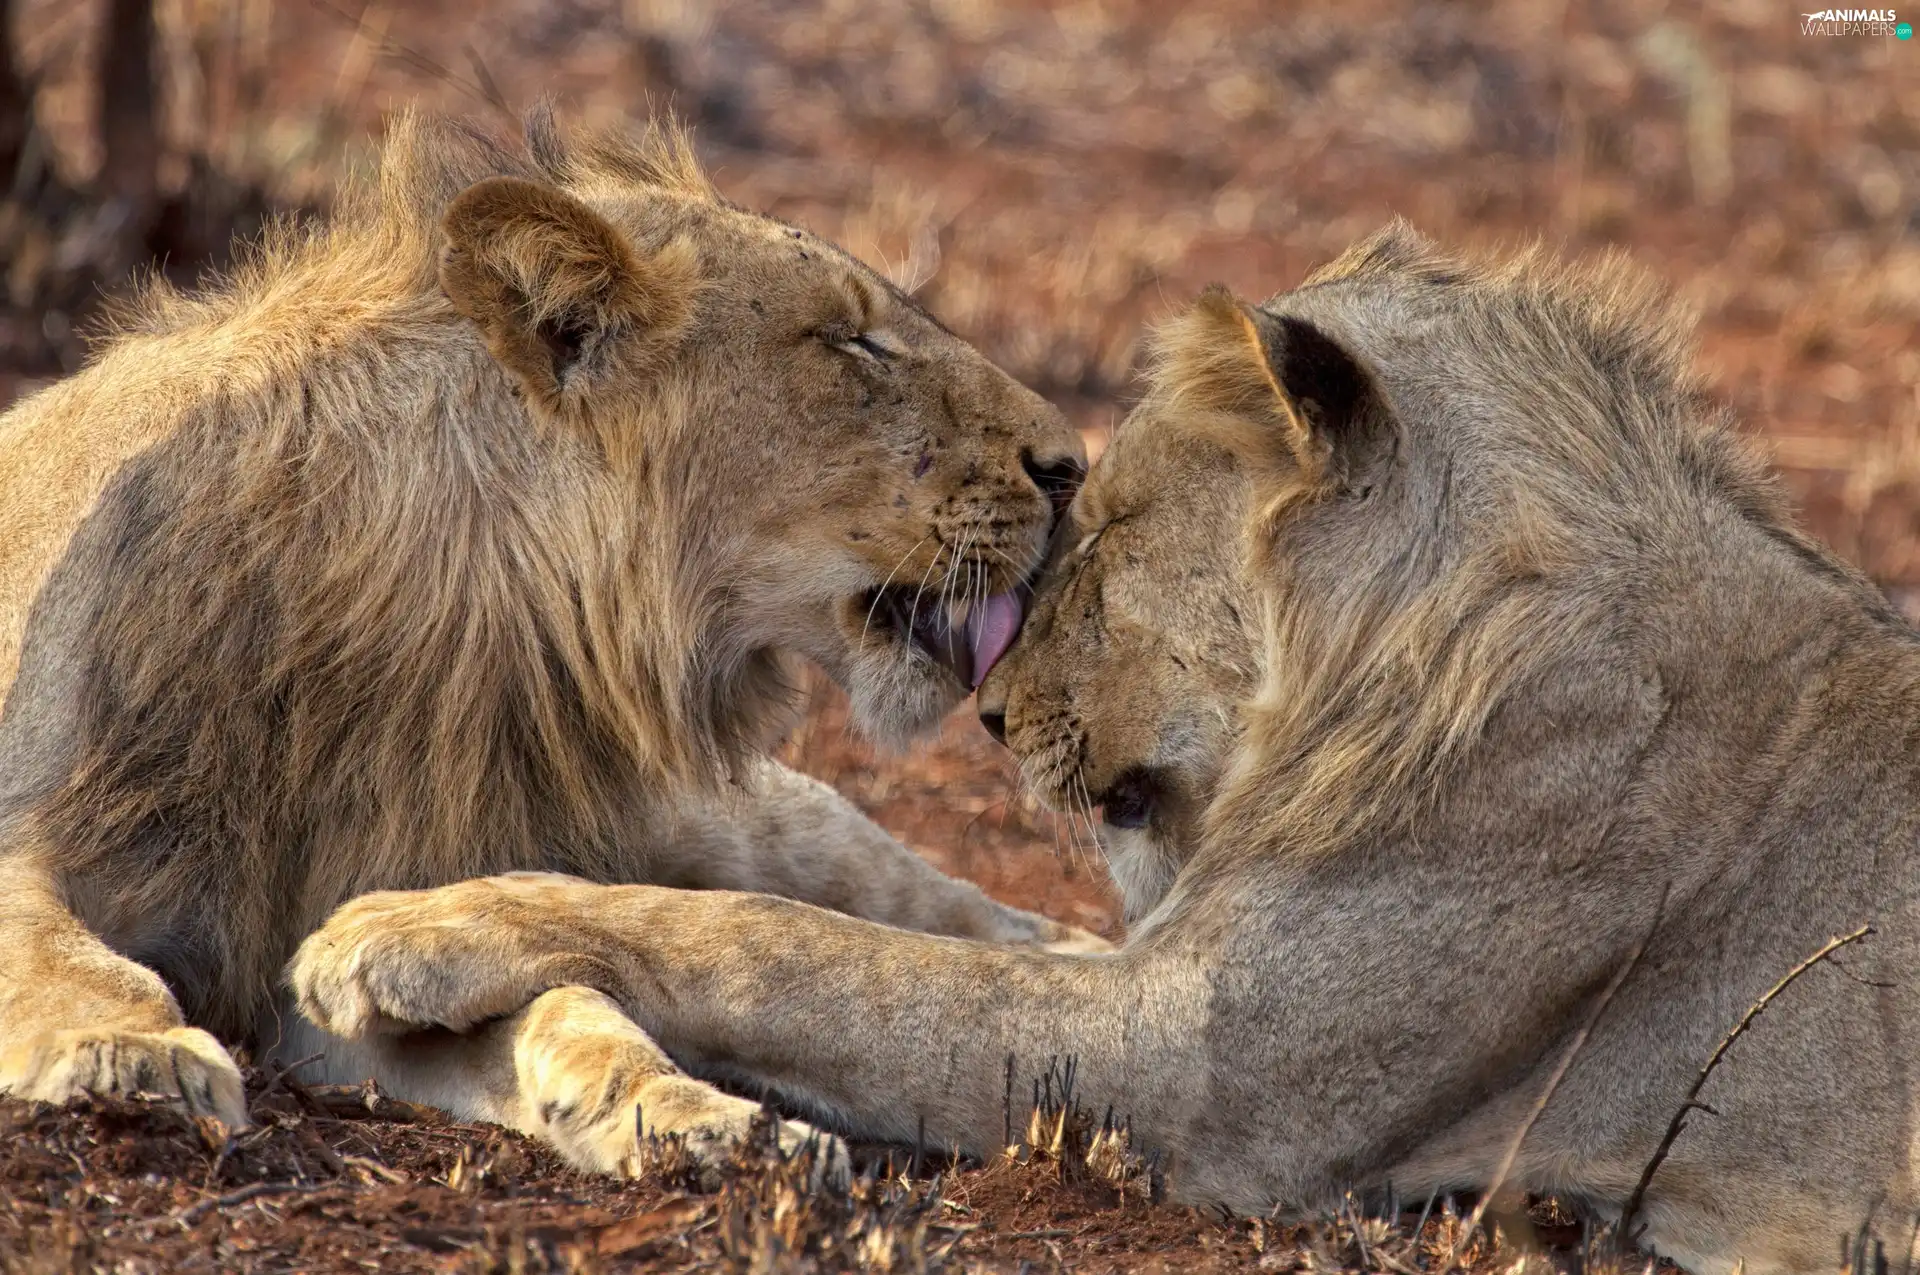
[(1053, 176)]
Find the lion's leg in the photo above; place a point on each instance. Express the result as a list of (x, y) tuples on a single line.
[(76, 1017), (893, 1032), (792, 836), (570, 1069), (1264, 1038)]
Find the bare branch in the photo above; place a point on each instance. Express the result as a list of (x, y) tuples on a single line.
[(489, 87), (1692, 1102), (284, 1075), (16, 99), (488, 94), (252, 1191), (128, 108)]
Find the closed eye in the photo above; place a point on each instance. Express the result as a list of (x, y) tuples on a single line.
[(1084, 550), (865, 346)]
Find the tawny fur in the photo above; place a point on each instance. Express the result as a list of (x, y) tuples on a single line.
[(474, 529), (1522, 663)]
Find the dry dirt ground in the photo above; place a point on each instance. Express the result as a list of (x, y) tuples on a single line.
[(331, 1180), (1050, 177)]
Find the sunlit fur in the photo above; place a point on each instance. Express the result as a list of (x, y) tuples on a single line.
[(472, 528)]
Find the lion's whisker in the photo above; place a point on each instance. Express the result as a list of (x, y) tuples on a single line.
[(920, 590), (1093, 823), (952, 578), (885, 584)]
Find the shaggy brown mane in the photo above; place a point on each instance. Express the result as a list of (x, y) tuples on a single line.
[(660, 156), (393, 643), (1365, 705), (383, 230)]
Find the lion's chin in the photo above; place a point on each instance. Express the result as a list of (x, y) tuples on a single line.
[(900, 698)]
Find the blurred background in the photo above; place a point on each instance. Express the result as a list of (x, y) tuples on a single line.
[(1051, 176)]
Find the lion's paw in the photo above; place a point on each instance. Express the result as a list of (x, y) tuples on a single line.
[(597, 1087), (709, 1126), (399, 960), (183, 1065)]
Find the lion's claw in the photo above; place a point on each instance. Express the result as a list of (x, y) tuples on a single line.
[(183, 1065)]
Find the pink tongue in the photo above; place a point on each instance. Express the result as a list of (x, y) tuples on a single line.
[(990, 631)]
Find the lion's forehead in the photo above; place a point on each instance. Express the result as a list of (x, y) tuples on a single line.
[(1136, 606)]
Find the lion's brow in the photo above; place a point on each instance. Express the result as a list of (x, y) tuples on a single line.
[(900, 296), (905, 299)]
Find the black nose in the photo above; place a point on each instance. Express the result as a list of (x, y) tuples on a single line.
[(996, 724), (1057, 480)]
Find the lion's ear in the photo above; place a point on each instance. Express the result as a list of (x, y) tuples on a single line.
[(1276, 391), (564, 301)]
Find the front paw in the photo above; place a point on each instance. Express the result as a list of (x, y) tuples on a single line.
[(604, 1095), (182, 1065), (709, 1127), (400, 960)]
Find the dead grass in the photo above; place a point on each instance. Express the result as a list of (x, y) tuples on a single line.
[(332, 1181)]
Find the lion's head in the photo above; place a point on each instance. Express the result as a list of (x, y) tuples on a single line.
[(1120, 693), (858, 484), (1340, 499)]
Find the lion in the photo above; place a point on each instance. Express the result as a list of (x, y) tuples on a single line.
[(1562, 745), (480, 530)]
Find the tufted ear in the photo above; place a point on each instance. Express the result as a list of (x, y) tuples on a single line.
[(564, 301), (1277, 392)]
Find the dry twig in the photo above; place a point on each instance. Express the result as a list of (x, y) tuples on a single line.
[(373, 1168), (365, 1102), (284, 1076), (252, 1191), (487, 93), (1692, 1101)]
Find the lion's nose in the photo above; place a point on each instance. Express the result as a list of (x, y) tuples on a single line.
[(1058, 477), (991, 704)]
